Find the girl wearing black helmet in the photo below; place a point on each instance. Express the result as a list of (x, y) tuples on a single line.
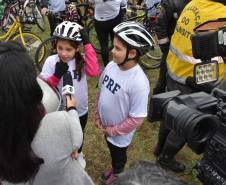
[(124, 89)]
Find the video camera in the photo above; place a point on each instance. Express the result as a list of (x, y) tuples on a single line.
[(199, 118), (208, 43)]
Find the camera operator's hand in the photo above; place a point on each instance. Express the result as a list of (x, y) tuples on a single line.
[(85, 36), (190, 81), (60, 69)]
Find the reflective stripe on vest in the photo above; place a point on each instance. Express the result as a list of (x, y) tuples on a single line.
[(189, 59), (184, 58), (164, 40)]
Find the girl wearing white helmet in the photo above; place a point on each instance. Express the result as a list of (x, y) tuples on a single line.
[(68, 58), (123, 98)]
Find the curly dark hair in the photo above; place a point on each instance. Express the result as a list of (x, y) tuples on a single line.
[(21, 113)]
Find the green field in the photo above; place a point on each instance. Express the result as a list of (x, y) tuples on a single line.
[(96, 151)]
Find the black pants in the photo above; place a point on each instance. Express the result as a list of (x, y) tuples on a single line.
[(104, 29), (118, 157), (54, 20), (83, 120), (166, 135)]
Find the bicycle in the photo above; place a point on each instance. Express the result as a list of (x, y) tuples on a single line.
[(86, 12), (28, 12), (29, 40), (8, 17), (32, 14), (152, 59), (75, 13)]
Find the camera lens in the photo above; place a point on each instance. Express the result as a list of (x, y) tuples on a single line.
[(195, 127)]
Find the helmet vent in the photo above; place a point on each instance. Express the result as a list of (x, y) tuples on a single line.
[(62, 30), (69, 31), (76, 33)]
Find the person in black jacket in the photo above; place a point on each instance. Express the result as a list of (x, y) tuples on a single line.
[(166, 23)]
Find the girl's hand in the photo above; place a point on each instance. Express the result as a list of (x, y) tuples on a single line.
[(74, 154), (105, 132), (97, 120), (98, 123), (85, 36), (60, 69)]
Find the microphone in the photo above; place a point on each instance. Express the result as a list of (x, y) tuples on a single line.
[(68, 88)]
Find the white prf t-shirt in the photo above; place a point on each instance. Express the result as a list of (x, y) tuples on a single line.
[(81, 89), (123, 94)]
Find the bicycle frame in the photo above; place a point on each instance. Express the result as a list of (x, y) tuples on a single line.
[(17, 26), (9, 12)]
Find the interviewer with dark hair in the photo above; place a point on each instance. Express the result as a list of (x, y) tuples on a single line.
[(35, 148)]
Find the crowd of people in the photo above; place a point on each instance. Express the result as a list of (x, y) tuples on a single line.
[(41, 147)]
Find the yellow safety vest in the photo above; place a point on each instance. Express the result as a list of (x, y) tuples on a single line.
[(180, 62)]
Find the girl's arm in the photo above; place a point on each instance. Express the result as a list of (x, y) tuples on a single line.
[(59, 69), (97, 120), (53, 81), (125, 127), (91, 64)]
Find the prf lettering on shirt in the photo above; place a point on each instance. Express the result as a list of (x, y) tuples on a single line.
[(110, 84)]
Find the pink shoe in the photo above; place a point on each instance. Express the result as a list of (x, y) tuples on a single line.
[(106, 174), (109, 180)]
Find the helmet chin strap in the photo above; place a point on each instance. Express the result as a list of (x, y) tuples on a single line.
[(126, 57)]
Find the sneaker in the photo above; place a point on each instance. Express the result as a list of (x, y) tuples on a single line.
[(171, 164), (106, 174), (81, 160), (109, 180)]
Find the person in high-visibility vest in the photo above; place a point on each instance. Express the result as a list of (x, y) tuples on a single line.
[(164, 28), (180, 66)]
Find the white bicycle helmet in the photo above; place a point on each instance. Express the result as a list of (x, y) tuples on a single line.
[(69, 31), (135, 36)]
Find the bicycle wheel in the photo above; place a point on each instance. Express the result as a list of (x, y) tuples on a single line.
[(7, 22), (152, 59), (49, 47), (148, 63), (39, 19), (93, 37), (85, 13), (156, 53), (32, 43)]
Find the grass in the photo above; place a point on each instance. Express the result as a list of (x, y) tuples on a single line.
[(95, 149)]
